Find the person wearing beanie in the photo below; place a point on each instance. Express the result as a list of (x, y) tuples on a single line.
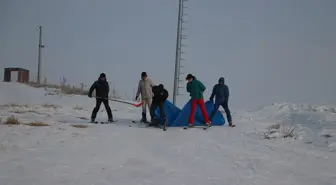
[(196, 89), (102, 89), (221, 92), (145, 89)]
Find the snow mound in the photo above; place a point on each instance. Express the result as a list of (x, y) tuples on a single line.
[(17, 93), (313, 123), (290, 107)]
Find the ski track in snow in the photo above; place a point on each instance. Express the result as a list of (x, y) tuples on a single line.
[(121, 155)]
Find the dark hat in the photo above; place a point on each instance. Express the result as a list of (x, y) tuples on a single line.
[(221, 80), (161, 86), (102, 75), (143, 74), (189, 76)]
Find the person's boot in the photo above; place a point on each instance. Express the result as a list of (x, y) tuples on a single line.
[(110, 120), (164, 124), (208, 124), (92, 120), (144, 118), (231, 125), (152, 122)]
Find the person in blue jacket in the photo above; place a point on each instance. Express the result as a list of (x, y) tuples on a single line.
[(221, 92)]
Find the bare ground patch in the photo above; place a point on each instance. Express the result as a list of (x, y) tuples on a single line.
[(37, 124), (80, 126), (53, 106), (280, 131), (12, 120)]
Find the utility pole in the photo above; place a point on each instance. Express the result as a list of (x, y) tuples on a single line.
[(40, 46), (179, 38)]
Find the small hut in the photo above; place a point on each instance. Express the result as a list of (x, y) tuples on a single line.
[(16, 75)]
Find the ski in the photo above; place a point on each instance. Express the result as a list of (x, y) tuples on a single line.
[(159, 127), (199, 127), (146, 125), (139, 124), (203, 128), (93, 122), (104, 122), (133, 121), (108, 122), (157, 124)]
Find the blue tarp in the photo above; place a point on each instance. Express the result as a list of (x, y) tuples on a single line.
[(218, 119), (183, 117), (171, 112), (178, 118)]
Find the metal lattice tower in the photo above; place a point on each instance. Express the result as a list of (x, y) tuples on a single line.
[(180, 37)]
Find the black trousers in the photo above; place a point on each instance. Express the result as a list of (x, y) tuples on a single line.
[(107, 107), (226, 109), (154, 106)]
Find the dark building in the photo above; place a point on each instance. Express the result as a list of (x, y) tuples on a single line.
[(22, 75)]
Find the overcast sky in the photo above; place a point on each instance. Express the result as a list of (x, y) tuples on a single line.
[(268, 50)]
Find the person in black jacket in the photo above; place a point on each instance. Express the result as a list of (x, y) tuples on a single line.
[(160, 96), (102, 90), (221, 92)]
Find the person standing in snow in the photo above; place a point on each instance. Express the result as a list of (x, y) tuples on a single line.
[(145, 89), (196, 89), (160, 96), (102, 90), (221, 92)]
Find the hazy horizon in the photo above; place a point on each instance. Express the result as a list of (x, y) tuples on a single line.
[(268, 50)]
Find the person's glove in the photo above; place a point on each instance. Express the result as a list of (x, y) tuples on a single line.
[(136, 98), (90, 95), (211, 99)]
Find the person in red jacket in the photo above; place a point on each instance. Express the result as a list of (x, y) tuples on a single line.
[(196, 89)]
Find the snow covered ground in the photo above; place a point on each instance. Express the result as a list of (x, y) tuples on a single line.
[(116, 154)]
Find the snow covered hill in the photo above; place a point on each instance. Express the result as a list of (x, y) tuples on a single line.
[(254, 152)]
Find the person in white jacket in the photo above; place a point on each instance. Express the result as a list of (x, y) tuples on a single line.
[(145, 89)]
